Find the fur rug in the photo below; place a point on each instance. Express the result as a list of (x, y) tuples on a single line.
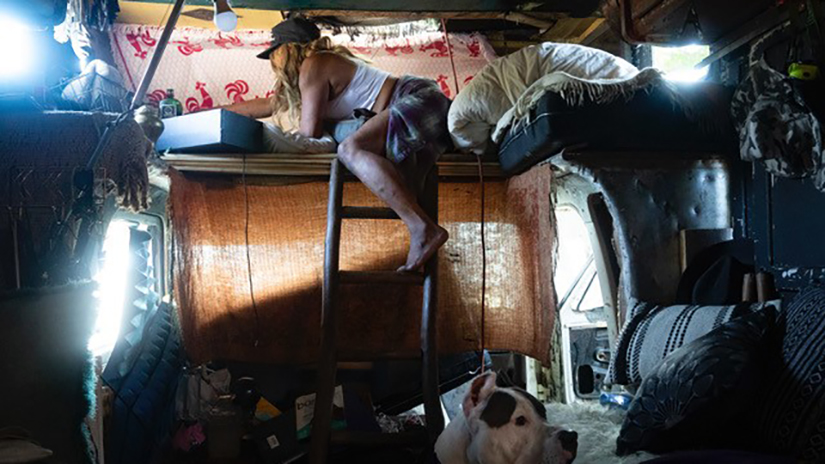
[(598, 429)]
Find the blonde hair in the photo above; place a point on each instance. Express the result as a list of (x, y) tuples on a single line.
[(286, 99)]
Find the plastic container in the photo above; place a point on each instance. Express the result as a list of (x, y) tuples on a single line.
[(224, 430)]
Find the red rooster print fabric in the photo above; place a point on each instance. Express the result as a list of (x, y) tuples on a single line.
[(208, 68)]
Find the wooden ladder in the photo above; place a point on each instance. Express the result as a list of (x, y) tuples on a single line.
[(333, 277)]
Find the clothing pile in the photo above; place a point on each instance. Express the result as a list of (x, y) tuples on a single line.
[(776, 125)]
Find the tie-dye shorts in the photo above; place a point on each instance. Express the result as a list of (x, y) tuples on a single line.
[(417, 133)]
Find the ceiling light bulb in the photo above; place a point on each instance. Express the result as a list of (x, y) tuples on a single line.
[(225, 19)]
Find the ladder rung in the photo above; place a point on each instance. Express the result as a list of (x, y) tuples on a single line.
[(365, 212), (346, 437), (381, 277)]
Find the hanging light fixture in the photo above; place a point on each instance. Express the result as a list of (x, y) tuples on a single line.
[(225, 19)]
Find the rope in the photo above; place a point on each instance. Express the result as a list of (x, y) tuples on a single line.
[(481, 183), (246, 238), (450, 51), (483, 262)]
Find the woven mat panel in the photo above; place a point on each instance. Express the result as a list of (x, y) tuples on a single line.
[(286, 230)]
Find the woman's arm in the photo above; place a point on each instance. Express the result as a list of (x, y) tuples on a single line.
[(314, 84), (256, 109)]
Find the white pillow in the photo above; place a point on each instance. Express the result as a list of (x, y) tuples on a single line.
[(278, 141)]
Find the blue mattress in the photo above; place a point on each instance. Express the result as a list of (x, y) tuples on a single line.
[(649, 121)]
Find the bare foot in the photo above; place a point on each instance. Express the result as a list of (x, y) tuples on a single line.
[(423, 246)]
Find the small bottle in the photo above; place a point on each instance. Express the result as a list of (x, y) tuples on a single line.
[(615, 400), (170, 106)]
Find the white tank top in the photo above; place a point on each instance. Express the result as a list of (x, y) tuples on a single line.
[(361, 92)]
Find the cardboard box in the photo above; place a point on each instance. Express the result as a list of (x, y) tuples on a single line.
[(213, 131)]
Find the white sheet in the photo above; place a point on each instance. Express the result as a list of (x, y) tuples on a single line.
[(479, 106)]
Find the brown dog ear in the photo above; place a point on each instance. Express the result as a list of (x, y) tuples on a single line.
[(482, 387)]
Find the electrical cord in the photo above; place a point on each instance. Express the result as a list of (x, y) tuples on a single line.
[(450, 51), (481, 183), (483, 262), (248, 257)]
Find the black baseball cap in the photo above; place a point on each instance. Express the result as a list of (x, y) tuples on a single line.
[(293, 30)]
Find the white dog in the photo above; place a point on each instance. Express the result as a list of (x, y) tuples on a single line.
[(503, 426)]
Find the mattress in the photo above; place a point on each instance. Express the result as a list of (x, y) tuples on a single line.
[(647, 121)]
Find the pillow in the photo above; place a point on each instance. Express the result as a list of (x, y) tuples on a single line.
[(697, 397), (651, 332), (792, 416), (278, 141)]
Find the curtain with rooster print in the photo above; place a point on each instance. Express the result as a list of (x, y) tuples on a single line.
[(208, 68)]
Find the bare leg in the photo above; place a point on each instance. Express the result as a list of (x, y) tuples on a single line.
[(362, 153)]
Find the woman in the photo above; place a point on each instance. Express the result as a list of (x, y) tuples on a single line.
[(391, 152)]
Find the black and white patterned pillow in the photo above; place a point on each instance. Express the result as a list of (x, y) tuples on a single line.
[(699, 396), (792, 413), (651, 332)]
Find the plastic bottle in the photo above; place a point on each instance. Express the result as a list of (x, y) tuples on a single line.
[(615, 400), (170, 106)]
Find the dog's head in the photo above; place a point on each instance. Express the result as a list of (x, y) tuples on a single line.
[(508, 425)]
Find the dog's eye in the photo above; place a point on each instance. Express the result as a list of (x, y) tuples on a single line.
[(521, 421)]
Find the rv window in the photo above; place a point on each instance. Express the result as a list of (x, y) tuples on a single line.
[(678, 62), (111, 280), (575, 278), (129, 256)]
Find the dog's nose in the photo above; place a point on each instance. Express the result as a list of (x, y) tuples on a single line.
[(569, 440)]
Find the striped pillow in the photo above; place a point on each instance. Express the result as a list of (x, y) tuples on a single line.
[(792, 414), (651, 332)]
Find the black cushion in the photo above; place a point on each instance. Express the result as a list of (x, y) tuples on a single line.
[(714, 276), (649, 120), (792, 419), (721, 283), (698, 395)]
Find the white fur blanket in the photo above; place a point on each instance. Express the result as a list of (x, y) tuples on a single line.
[(598, 429)]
